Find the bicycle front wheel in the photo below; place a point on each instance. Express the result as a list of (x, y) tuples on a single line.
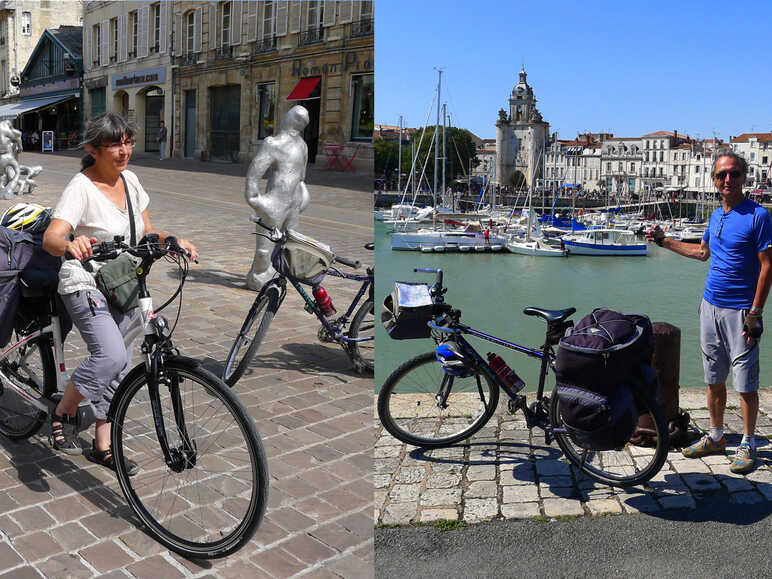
[(421, 405), (30, 368), (251, 336), (362, 354), (628, 466), (214, 505)]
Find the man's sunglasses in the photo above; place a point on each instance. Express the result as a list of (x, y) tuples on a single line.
[(721, 175)]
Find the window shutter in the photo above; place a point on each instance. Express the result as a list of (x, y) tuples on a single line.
[(282, 9), (104, 43), (212, 26), (87, 45), (329, 13), (356, 10), (164, 8), (143, 31), (346, 11), (198, 30), (179, 35), (236, 12), (123, 37), (252, 21), (294, 17)]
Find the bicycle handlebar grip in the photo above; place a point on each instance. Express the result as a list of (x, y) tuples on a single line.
[(348, 262)]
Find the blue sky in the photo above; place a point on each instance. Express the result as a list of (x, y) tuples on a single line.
[(623, 67)]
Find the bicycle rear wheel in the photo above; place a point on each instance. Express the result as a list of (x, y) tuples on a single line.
[(409, 409), (251, 336), (213, 507), (627, 466), (362, 354), (31, 368)]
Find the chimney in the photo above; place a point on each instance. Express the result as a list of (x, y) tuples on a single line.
[(675, 135)]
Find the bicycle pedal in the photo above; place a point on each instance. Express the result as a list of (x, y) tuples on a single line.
[(324, 335), (511, 406)]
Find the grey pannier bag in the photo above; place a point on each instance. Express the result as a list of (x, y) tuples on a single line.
[(302, 258), (407, 311)]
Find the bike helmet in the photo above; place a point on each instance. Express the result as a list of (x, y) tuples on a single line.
[(453, 361), (28, 217)]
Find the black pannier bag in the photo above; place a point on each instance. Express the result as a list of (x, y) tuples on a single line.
[(407, 311), (18, 252), (597, 360)]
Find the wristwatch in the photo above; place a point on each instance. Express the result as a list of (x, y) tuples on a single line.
[(755, 310)]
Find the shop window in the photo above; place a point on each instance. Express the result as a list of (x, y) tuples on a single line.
[(26, 23), (97, 97), (266, 106), (363, 119), (133, 34)]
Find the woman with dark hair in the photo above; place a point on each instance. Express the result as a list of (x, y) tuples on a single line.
[(95, 206)]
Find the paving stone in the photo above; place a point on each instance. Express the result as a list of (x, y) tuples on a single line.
[(64, 565), (701, 482), (481, 489), (106, 556), (399, 513), (556, 507), (476, 510), (400, 493), (548, 492), (414, 474), (746, 498), (277, 562), (638, 503), (481, 472), (429, 515), (552, 467), (381, 481), (33, 518), (683, 501), (9, 558), (439, 480), (26, 572), (520, 494), (690, 466), (520, 510), (604, 507), (440, 497), (35, 546), (72, 536), (336, 536)]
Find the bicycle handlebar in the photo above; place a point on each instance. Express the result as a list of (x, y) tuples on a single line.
[(446, 329), (148, 247), (352, 264)]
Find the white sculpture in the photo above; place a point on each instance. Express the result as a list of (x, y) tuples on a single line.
[(15, 179), (283, 159)]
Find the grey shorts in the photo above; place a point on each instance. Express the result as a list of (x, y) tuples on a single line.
[(724, 347), (102, 330)]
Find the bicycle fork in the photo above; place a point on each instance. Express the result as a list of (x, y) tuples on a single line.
[(183, 456)]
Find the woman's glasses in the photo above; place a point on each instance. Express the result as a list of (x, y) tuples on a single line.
[(115, 147), (721, 175)]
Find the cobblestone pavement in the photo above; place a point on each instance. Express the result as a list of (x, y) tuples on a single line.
[(506, 472), (64, 516)]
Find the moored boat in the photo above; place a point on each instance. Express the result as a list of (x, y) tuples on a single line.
[(604, 242)]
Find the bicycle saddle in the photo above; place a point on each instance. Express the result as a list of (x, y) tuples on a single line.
[(38, 283), (549, 316), (370, 245)]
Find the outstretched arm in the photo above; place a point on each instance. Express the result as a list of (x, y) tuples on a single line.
[(701, 251)]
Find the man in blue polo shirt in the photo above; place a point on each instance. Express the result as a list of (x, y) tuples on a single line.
[(738, 242)]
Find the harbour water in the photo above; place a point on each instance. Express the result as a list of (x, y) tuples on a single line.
[(492, 289)]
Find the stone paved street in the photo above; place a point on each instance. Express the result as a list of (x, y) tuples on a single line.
[(506, 472), (64, 516)]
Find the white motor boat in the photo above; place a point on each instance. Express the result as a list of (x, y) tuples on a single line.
[(429, 240), (604, 242), (534, 247)]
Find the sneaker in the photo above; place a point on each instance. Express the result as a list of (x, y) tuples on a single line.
[(744, 459), (704, 447), (64, 434)]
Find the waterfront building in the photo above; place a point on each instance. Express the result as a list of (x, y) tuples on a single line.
[(521, 138), (757, 150), (22, 23), (486, 156), (574, 165)]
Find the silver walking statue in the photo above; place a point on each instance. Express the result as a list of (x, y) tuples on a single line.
[(283, 160), (15, 178)]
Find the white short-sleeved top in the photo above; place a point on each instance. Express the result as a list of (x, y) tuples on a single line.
[(92, 214)]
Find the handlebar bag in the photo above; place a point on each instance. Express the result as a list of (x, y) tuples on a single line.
[(302, 258), (117, 280), (407, 310)]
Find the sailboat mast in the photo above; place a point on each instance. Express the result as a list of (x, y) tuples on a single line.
[(437, 138), (399, 157), (444, 145)]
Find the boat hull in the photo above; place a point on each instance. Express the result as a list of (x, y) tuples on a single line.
[(579, 248)]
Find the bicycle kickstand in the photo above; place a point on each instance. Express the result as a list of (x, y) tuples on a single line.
[(518, 403)]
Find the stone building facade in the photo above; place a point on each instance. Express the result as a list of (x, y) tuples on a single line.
[(757, 150), (521, 136), (22, 23)]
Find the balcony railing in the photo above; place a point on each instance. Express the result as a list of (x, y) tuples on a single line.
[(265, 45), (362, 27), (311, 36), (188, 59), (223, 53)]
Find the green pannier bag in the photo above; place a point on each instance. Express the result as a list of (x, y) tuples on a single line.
[(302, 258), (117, 280)]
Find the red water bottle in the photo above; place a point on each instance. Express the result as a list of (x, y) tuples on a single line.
[(323, 301), (511, 381)]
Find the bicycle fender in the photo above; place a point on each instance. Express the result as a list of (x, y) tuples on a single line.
[(139, 370)]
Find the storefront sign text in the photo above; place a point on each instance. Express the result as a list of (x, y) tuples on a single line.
[(137, 78), (52, 87), (352, 61)]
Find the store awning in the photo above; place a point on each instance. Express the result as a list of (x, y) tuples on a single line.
[(11, 111), (306, 89)]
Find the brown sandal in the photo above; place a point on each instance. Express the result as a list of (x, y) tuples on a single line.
[(64, 434)]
